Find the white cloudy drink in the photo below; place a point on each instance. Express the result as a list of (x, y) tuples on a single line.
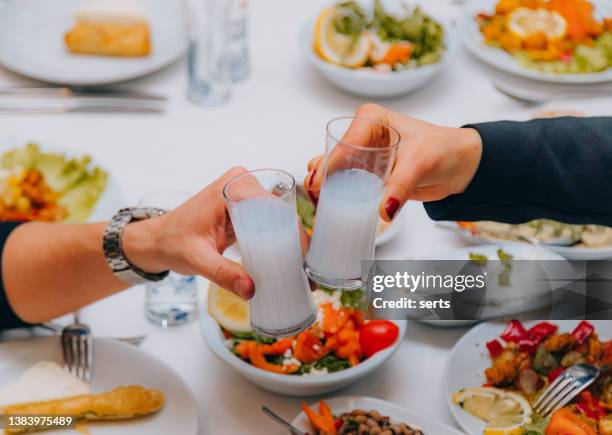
[(359, 155), (268, 237), (345, 226)]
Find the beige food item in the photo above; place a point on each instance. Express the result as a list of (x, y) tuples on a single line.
[(505, 412), (120, 403), (230, 310), (110, 28), (525, 22), (45, 380), (335, 47)]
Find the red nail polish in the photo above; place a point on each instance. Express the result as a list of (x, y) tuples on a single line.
[(311, 178), (391, 207)]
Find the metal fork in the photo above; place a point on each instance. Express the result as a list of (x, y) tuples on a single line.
[(284, 423), (77, 348), (567, 386)]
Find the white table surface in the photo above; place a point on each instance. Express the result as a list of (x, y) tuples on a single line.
[(275, 118)]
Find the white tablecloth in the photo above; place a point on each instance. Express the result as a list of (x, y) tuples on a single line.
[(276, 118)]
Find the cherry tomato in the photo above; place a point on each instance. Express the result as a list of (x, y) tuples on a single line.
[(377, 335)]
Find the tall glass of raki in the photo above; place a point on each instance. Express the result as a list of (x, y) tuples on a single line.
[(262, 208), (359, 156)]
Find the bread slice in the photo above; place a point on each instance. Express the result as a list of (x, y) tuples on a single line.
[(110, 28)]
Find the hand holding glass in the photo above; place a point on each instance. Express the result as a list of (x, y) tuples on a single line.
[(358, 158), (262, 209)]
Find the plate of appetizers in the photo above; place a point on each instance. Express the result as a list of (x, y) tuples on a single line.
[(131, 392), (497, 370), (337, 350), (91, 42), (365, 415), (561, 41), (380, 51), (50, 184), (574, 242)]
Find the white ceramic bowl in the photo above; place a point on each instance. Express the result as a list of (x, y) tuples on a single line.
[(286, 384), (372, 84)]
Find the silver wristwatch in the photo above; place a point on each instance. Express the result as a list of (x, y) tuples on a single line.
[(113, 248)]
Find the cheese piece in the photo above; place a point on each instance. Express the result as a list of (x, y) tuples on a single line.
[(46, 380)]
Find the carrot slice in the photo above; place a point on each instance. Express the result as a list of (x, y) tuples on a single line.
[(318, 421), (334, 319), (328, 417), (565, 422), (279, 347), (242, 349), (258, 360)]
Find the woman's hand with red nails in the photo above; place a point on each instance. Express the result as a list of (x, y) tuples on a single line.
[(432, 162)]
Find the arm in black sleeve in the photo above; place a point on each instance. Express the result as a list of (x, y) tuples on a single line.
[(557, 169), (8, 318)]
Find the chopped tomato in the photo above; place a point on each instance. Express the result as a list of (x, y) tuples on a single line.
[(565, 422), (377, 335), (308, 347)]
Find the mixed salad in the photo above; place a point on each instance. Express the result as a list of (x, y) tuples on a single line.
[(348, 35), (355, 422), (41, 186), (339, 339), (552, 36), (544, 231), (524, 361)]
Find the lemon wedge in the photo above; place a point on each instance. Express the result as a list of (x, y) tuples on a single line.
[(505, 412), (524, 22), (335, 47), (231, 311)]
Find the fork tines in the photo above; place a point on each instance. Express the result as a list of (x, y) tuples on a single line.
[(77, 349)]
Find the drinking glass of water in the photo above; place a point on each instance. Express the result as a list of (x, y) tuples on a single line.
[(262, 208), (208, 62), (359, 156), (174, 300)]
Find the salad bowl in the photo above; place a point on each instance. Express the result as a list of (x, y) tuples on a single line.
[(292, 385), (369, 83)]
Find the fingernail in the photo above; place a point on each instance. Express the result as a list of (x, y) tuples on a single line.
[(391, 207), (311, 178), (243, 288)]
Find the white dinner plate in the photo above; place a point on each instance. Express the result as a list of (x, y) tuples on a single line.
[(513, 303), (496, 57), (32, 43), (397, 414), (568, 252), (469, 359), (114, 364)]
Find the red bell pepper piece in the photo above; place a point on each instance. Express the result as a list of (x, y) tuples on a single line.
[(590, 406), (495, 348), (514, 332), (542, 330), (554, 374), (583, 331), (529, 345)]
